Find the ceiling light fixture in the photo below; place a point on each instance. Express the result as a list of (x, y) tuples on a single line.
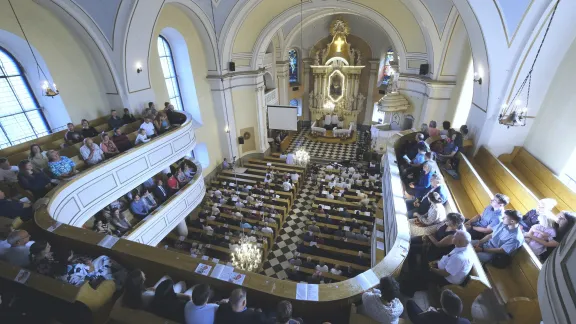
[(47, 90), (514, 112)]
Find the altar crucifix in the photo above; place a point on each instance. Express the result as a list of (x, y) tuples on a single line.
[(335, 98)]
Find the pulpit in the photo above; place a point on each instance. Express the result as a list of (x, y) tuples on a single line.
[(336, 99)]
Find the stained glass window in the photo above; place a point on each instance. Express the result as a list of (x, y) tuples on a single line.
[(169, 71), (21, 118), (293, 60)]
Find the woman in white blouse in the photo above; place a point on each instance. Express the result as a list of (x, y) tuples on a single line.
[(383, 305), (427, 224)]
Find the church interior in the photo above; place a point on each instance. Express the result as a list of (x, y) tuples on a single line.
[(294, 161)]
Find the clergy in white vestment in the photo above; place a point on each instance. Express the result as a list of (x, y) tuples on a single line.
[(290, 158), (334, 119), (327, 120)]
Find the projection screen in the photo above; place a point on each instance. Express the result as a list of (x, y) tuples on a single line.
[(283, 117)]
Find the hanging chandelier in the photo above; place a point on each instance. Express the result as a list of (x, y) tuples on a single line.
[(47, 90), (515, 112), (301, 157), (246, 255)]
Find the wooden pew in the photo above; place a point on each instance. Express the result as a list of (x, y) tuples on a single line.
[(245, 181), (273, 201), (95, 301), (339, 251), (276, 188), (269, 236), (515, 286), (202, 232), (260, 164), (256, 177), (324, 274), (332, 261), (344, 204), (278, 163), (499, 179), (538, 178)]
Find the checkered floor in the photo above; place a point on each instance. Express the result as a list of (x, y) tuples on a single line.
[(286, 243), (288, 240), (322, 150)]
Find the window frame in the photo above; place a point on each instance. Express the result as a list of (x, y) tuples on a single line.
[(22, 75), (171, 59), (297, 82)]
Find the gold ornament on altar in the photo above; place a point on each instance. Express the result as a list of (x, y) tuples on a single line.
[(339, 26)]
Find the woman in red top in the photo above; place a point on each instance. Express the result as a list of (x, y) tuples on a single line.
[(172, 182)]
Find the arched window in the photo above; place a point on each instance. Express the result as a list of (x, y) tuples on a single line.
[(167, 62), (293, 61), (21, 118)]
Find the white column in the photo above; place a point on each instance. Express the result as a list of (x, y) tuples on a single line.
[(306, 82), (262, 124), (373, 64), (283, 84), (436, 103), (224, 111), (182, 229)]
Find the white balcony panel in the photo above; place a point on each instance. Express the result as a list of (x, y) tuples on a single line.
[(132, 169), (75, 201), (97, 189), (160, 154), (163, 220)]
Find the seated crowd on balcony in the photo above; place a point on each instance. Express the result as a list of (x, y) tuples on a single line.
[(35, 176), (123, 214)]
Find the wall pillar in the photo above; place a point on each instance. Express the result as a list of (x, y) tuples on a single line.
[(306, 83), (262, 144), (182, 229), (224, 109), (373, 65), (283, 84), (436, 103)]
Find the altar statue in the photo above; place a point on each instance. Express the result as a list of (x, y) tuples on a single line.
[(312, 99), (317, 58), (336, 86), (360, 101), (353, 57)]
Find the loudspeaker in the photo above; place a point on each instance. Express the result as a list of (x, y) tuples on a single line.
[(231, 66), (382, 91), (424, 69), (295, 88), (241, 140)]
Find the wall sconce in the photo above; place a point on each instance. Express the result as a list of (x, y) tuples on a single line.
[(477, 78), (138, 67), (227, 130)]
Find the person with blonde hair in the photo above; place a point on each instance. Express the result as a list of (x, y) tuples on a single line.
[(533, 216)]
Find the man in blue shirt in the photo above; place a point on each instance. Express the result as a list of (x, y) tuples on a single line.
[(505, 239), (422, 205), (482, 225), (138, 207), (198, 311)]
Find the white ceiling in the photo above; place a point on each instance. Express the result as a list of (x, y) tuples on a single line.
[(104, 16), (359, 26), (440, 10)]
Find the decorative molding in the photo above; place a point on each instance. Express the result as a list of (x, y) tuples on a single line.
[(509, 40)]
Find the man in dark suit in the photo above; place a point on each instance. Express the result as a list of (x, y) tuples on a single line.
[(160, 191), (449, 313), (344, 213)]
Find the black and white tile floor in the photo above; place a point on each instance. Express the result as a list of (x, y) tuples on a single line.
[(322, 150), (288, 240), (286, 243)]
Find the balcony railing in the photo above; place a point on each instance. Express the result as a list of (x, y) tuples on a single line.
[(161, 221), (75, 201)]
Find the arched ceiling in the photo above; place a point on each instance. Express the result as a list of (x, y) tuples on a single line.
[(316, 29), (439, 10)]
